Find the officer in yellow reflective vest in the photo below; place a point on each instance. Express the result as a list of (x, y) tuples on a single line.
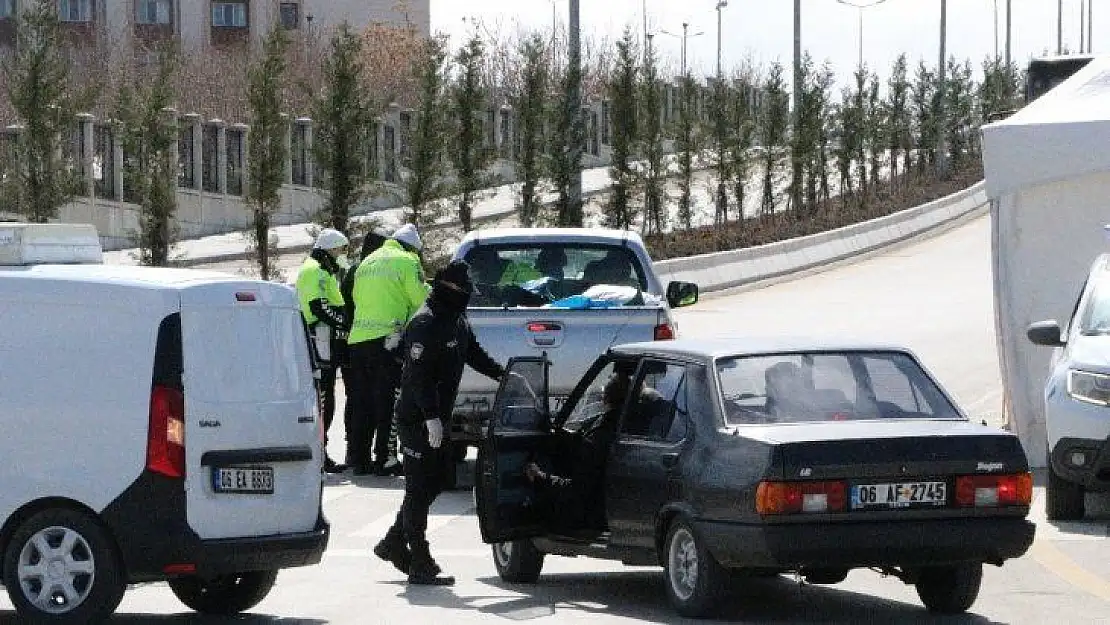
[(322, 309), (389, 288)]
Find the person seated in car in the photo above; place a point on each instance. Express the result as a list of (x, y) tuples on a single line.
[(788, 394), (549, 264), (575, 502), (486, 265), (615, 269)]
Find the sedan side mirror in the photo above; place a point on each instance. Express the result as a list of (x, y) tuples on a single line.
[(680, 294), (1046, 333)]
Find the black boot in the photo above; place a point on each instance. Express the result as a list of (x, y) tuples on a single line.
[(393, 549), (331, 466), (425, 572)]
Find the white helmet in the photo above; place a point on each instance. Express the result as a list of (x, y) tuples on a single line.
[(330, 239), (408, 235)]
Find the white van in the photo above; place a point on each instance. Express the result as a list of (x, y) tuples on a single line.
[(157, 424)]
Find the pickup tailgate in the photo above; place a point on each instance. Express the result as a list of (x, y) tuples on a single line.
[(573, 339)]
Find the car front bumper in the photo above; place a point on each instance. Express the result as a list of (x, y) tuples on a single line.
[(1094, 473), (863, 544)]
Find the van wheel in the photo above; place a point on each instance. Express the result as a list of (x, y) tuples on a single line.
[(1063, 499), (518, 562), (224, 594), (61, 566), (693, 577), (950, 589)]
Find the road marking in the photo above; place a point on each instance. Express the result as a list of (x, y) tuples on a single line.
[(1066, 569)]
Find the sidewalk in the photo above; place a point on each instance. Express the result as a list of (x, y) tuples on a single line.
[(295, 238)]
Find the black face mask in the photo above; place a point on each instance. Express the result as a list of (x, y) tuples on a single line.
[(450, 300)]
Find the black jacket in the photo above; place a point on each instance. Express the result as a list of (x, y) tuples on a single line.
[(436, 345)]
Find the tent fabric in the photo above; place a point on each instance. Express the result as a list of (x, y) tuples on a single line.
[(1062, 134), (1048, 177)]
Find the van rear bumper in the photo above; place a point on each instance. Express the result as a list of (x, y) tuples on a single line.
[(265, 553)]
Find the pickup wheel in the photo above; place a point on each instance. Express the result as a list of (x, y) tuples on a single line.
[(62, 566), (692, 576), (518, 562), (950, 589), (1063, 499), (225, 594)]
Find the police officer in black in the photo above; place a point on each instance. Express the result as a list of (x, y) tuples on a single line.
[(437, 343)]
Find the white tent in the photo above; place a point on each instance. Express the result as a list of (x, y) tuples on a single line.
[(1048, 177)]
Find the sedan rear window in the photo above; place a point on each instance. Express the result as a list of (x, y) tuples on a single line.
[(541, 274), (828, 386)]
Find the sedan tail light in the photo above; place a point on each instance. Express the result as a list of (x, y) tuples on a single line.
[(994, 491), (800, 497)]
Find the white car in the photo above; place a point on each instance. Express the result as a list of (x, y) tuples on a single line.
[(159, 425), (1077, 397)]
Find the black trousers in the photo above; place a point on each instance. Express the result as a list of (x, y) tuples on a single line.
[(326, 392), (423, 483), (378, 377)]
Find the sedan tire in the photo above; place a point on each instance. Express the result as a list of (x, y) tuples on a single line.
[(226, 594), (518, 562), (1063, 499), (692, 576), (950, 589)]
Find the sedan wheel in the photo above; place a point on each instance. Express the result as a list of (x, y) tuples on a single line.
[(61, 566), (692, 575), (518, 562), (950, 589)]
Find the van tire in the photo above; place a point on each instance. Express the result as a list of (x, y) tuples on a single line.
[(102, 589), (225, 594)]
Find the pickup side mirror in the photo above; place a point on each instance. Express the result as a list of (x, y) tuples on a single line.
[(1046, 333), (680, 294)]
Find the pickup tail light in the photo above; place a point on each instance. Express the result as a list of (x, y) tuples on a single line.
[(994, 491), (664, 332), (800, 497)]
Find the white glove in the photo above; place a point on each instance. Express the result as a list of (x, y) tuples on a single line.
[(435, 432), (392, 342)]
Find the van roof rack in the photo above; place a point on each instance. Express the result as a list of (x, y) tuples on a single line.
[(23, 244)]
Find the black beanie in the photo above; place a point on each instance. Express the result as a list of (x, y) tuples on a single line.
[(458, 273)]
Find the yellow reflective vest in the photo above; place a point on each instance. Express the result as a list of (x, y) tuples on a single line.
[(314, 283), (389, 289)]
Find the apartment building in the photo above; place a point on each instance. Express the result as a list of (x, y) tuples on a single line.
[(215, 22)]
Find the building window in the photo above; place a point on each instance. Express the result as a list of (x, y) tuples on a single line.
[(229, 14), (7, 9), (75, 10), (290, 15), (154, 12)]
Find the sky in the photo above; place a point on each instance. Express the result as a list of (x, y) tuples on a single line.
[(763, 29)]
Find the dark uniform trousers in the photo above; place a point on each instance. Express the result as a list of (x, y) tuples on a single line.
[(423, 483), (377, 376)]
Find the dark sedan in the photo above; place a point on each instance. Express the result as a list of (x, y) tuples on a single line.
[(753, 457)]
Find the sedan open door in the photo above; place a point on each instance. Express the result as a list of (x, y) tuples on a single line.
[(519, 432)]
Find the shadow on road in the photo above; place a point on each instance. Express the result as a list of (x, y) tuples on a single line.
[(639, 595)]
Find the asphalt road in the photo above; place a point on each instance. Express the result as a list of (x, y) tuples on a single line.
[(933, 296)]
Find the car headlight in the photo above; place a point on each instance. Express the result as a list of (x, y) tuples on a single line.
[(1093, 388)]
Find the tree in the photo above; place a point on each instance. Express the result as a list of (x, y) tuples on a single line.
[(651, 139), (342, 116), (622, 95), (722, 138), (899, 117), (38, 84), (267, 151), (147, 132), (424, 182), (877, 130), (925, 101), (959, 111), (772, 132), (469, 157), (567, 138), (744, 118), (687, 144), (529, 105)]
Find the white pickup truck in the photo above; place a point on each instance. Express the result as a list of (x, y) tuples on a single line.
[(569, 292)]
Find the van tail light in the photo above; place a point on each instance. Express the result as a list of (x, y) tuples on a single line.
[(994, 491), (165, 450), (664, 332), (800, 497)]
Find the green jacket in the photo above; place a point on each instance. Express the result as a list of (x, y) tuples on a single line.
[(389, 289), (314, 283), (518, 273)]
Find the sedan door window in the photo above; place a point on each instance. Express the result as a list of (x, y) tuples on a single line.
[(655, 401)]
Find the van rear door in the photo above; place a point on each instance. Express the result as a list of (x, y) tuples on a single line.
[(253, 447)]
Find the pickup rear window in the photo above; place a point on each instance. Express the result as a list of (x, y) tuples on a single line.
[(537, 275)]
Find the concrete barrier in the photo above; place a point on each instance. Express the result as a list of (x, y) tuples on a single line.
[(735, 268)]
